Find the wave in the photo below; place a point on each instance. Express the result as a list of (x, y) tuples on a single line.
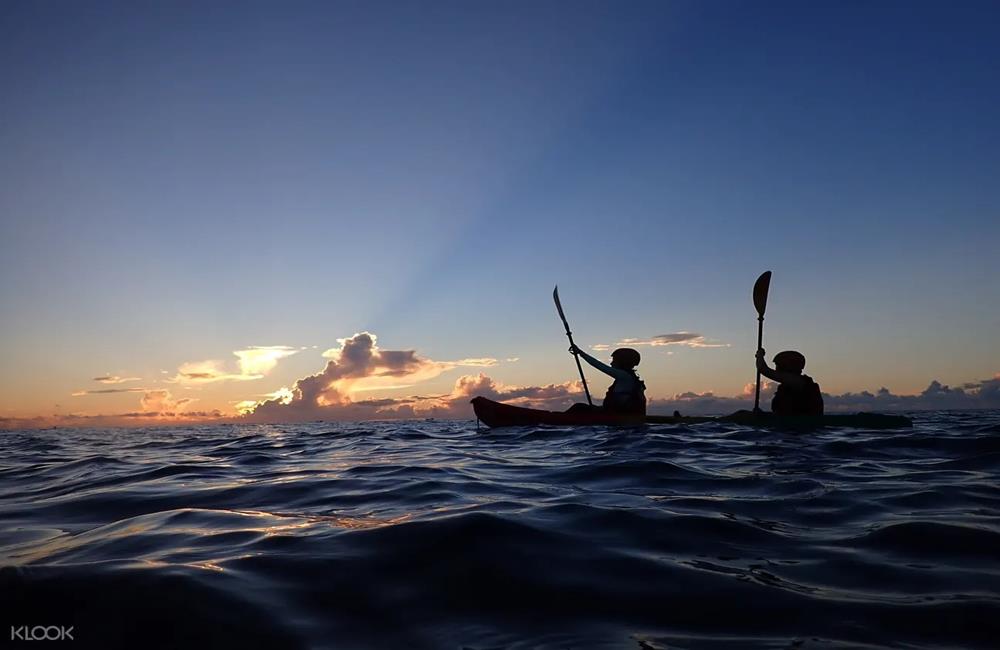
[(431, 534)]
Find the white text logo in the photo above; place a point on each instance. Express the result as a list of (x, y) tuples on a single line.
[(41, 633)]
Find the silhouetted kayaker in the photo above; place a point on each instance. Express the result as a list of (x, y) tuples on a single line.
[(627, 394), (797, 393)]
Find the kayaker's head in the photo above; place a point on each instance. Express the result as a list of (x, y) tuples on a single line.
[(625, 358), (789, 361)]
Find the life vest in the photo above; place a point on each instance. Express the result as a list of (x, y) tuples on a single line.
[(807, 400), (631, 402)]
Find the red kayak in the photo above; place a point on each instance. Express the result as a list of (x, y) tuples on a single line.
[(496, 414)]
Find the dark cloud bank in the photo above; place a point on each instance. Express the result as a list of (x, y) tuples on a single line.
[(977, 395)]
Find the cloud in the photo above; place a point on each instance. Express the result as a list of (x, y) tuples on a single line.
[(159, 407), (283, 395), (107, 391), (204, 372), (254, 362), (707, 403), (171, 416), (483, 362), (547, 396), (937, 396), (450, 405), (261, 359), (115, 379), (146, 418), (983, 394), (358, 365), (152, 399), (245, 406), (358, 358), (161, 400), (687, 339)]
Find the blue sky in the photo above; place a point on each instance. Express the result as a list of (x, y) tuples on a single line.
[(179, 181)]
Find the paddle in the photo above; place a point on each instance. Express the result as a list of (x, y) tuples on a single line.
[(760, 288), (569, 334)]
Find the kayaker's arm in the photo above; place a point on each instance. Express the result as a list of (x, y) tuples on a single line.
[(617, 373)]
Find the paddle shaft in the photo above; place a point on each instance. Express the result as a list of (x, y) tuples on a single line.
[(579, 367), (569, 335), (760, 344)]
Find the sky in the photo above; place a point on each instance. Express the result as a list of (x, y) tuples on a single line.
[(208, 207)]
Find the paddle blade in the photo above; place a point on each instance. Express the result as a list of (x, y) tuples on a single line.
[(555, 296), (760, 288)]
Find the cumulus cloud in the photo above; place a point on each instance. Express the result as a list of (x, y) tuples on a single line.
[(244, 406), (115, 379), (152, 401), (687, 339), (358, 358), (450, 405), (282, 395), (549, 396), (252, 363), (160, 401), (358, 365)]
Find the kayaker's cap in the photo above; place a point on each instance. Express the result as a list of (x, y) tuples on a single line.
[(790, 361), (626, 356)]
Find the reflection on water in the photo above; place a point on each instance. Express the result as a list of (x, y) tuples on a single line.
[(431, 535)]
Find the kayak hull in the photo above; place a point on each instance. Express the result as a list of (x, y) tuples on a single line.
[(497, 414)]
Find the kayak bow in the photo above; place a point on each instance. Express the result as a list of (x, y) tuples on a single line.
[(498, 414)]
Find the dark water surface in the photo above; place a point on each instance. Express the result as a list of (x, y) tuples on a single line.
[(431, 535)]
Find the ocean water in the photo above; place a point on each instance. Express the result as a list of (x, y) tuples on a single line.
[(431, 534)]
